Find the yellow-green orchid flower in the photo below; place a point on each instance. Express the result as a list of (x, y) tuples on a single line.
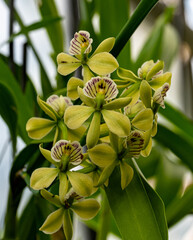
[(97, 95), (150, 72), (85, 208), (54, 107), (101, 61), (64, 155)]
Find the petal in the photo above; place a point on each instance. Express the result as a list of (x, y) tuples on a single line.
[(47, 109), (67, 64), (43, 177), (59, 104), (67, 225), (133, 92), (143, 120), (75, 116), (126, 174), (102, 155), (117, 123), (117, 103), (85, 99), (58, 150), (47, 154), (37, 128), (72, 86), (103, 85), (127, 75), (54, 199), (53, 222), (145, 93), (86, 73), (86, 209), (63, 186), (103, 63), (160, 80), (105, 46), (92, 139), (81, 183), (159, 95), (81, 43)]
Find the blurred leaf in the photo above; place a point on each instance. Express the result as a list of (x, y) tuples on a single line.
[(169, 179), (180, 145), (45, 83), (118, 14), (8, 111), (34, 26), (153, 46), (48, 10), (32, 218), (179, 119), (24, 112), (179, 208), (137, 210)]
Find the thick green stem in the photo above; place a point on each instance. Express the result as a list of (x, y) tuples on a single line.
[(104, 218), (131, 25)]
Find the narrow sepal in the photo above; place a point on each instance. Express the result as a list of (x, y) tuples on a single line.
[(47, 109), (127, 75), (105, 174), (160, 80), (43, 177), (103, 63), (75, 116), (67, 64), (117, 122), (67, 225), (102, 155), (92, 139), (38, 128), (47, 154), (54, 199), (81, 183), (86, 209), (117, 103), (53, 222), (85, 99), (126, 174), (63, 186), (145, 93)]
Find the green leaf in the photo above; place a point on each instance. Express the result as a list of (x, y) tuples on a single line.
[(8, 111), (177, 118), (131, 25), (23, 110), (181, 146), (138, 210), (179, 208), (169, 179), (49, 10), (34, 26)]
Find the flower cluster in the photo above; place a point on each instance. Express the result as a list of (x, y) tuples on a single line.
[(113, 125)]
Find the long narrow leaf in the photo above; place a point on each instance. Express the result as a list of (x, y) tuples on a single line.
[(8, 111), (138, 211)]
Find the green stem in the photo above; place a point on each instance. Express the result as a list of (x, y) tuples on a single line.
[(10, 218), (104, 218), (131, 25)]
